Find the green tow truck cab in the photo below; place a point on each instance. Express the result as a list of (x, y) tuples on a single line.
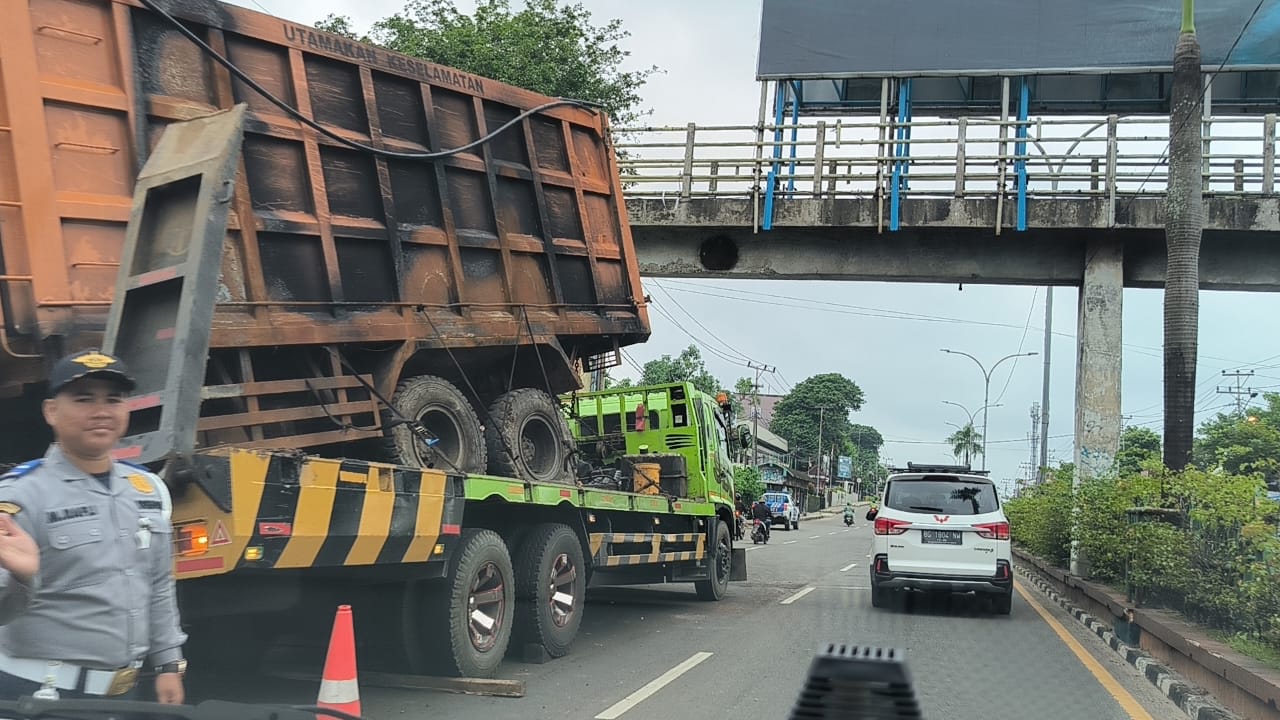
[(669, 444)]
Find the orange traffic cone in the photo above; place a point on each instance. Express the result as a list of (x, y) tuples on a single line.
[(339, 689)]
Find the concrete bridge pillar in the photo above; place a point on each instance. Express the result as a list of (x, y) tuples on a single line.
[(1098, 367)]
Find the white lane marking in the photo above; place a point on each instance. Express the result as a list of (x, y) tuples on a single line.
[(868, 554), (833, 532), (617, 709), (849, 567), (814, 537), (790, 542), (846, 530), (754, 547), (797, 596)]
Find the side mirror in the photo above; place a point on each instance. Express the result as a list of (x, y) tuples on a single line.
[(744, 437), (871, 514)]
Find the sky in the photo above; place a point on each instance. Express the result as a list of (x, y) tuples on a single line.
[(886, 337)]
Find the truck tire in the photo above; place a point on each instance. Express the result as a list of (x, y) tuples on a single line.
[(551, 585), (453, 641), (720, 560), (529, 423), (445, 413)]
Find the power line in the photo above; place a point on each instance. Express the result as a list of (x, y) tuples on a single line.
[(699, 322), (1021, 342), (1240, 391), (883, 313), (1208, 83)]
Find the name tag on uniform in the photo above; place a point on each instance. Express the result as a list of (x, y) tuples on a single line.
[(74, 512), (150, 505)]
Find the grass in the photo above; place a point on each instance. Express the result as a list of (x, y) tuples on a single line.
[(1264, 653)]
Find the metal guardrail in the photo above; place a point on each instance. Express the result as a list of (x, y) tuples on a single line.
[(968, 157)]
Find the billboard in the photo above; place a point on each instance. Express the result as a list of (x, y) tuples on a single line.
[(886, 38), (844, 467)]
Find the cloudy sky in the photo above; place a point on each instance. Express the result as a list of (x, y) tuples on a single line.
[(886, 337)]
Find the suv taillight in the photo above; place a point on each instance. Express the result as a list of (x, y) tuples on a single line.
[(993, 531), (890, 526)]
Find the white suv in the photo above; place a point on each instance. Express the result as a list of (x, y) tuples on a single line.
[(939, 530)]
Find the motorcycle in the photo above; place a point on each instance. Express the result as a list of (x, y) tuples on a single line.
[(739, 526), (759, 532), (848, 518)]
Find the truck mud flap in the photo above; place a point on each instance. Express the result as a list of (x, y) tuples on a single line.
[(162, 313), (738, 568)]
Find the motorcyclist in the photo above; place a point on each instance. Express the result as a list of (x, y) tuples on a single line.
[(848, 511), (760, 511)]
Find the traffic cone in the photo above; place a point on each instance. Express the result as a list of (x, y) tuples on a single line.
[(339, 689)]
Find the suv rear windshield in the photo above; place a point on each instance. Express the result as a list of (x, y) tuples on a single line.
[(942, 494)]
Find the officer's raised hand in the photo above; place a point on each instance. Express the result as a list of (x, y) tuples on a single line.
[(18, 552)]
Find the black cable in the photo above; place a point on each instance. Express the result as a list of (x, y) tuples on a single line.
[(479, 403), (325, 407), (1225, 59), (418, 432), (234, 70)]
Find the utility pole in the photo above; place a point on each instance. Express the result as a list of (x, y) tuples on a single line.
[(755, 409), (1044, 392), (1035, 439), (822, 409), (1239, 390)]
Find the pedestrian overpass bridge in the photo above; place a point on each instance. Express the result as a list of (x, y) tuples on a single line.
[(1054, 201)]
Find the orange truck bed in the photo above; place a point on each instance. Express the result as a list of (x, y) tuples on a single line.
[(522, 241)]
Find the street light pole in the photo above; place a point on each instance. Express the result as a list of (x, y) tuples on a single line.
[(984, 433), (986, 390)]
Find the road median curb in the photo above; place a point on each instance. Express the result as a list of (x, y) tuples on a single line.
[(1195, 702)]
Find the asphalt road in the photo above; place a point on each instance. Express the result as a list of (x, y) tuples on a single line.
[(657, 652)]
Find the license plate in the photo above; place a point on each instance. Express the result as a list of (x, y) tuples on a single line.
[(940, 537)]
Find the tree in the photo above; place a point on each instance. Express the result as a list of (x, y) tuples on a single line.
[(866, 439), (748, 483), (547, 47), (965, 443), (797, 416), (687, 367), (1184, 222), (1243, 445), (1138, 445)]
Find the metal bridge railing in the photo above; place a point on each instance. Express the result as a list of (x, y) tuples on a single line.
[(968, 157)]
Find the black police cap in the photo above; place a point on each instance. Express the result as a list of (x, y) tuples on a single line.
[(89, 363)]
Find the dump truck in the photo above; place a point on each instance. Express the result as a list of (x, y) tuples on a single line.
[(357, 290)]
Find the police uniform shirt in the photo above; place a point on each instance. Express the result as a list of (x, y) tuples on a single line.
[(101, 598)]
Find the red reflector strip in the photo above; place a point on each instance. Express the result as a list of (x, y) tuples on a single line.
[(448, 529), (199, 565), (155, 276), (125, 453), (566, 493), (142, 402), (268, 529), (164, 334)]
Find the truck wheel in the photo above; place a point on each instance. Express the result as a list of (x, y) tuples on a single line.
[(529, 423), (551, 584), (445, 413), (720, 560), (474, 608)]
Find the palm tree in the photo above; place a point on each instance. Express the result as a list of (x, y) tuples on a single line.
[(1184, 222), (965, 442)]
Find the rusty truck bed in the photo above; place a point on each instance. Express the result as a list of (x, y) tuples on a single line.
[(326, 244)]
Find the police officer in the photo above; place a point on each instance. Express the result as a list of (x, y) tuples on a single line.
[(86, 566)]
